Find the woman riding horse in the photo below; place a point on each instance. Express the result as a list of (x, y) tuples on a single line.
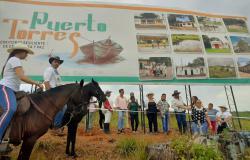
[(12, 74)]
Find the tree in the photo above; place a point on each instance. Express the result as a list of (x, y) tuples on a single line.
[(149, 15), (242, 45), (206, 41)]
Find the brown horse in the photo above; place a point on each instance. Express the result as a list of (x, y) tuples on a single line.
[(31, 125)]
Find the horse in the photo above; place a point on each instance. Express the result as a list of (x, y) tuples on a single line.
[(74, 114), (37, 119)]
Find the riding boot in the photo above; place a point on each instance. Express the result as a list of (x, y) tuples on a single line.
[(106, 128)]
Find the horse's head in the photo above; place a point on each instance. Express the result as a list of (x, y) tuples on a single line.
[(93, 89)]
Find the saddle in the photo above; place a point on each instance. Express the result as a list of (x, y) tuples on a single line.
[(23, 102)]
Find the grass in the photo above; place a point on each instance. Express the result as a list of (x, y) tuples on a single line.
[(181, 37), (217, 50), (221, 72), (244, 30)]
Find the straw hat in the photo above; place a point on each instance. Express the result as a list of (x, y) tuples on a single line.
[(20, 46), (150, 93), (223, 106), (176, 92)]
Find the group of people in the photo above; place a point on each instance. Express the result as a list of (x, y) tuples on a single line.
[(201, 118)]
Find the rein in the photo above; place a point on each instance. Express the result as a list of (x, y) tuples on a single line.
[(39, 109)]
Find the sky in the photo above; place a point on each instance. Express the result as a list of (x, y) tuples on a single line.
[(207, 93)]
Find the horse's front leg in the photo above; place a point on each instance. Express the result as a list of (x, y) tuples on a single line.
[(73, 153), (27, 148), (68, 140)]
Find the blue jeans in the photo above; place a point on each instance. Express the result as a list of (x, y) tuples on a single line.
[(165, 122), (59, 117), (121, 115), (202, 129), (9, 105), (181, 121)]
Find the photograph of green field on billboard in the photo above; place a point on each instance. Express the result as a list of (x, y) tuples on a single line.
[(186, 43), (182, 22), (240, 44), (150, 21), (211, 24), (153, 43), (235, 25), (221, 67), (190, 67), (155, 68), (244, 67), (216, 43)]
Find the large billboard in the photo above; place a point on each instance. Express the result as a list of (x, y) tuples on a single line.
[(135, 44)]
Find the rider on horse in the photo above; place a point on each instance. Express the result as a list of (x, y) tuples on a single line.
[(12, 74)]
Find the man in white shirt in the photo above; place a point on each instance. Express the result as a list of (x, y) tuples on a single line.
[(180, 111), (121, 103), (52, 79)]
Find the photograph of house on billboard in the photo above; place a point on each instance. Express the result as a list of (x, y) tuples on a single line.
[(211, 24), (190, 67), (155, 68), (216, 43), (182, 22), (240, 44), (244, 67), (236, 25), (150, 21), (153, 43), (186, 43), (221, 67)]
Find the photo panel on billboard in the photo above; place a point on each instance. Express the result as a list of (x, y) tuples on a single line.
[(182, 22), (190, 67), (155, 68), (221, 67), (186, 43), (153, 43), (244, 66), (241, 45), (216, 44), (211, 24)]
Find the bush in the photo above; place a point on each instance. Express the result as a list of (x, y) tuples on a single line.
[(202, 152), (132, 148)]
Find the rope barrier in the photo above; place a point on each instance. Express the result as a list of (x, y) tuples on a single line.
[(171, 113)]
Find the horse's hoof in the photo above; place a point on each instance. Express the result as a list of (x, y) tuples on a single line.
[(74, 155)]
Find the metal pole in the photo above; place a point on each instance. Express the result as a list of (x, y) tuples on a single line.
[(236, 108), (229, 104), (143, 110), (186, 92), (141, 107), (87, 121)]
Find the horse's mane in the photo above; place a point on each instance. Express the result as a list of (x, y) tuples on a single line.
[(39, 97)]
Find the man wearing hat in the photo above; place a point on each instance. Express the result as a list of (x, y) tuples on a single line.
[(52, 79), (223, 118), (180, 111), (107, 112), (12, 75)]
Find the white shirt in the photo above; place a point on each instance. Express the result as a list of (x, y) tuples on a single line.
[(223, 115), (92, 105), (177, 102), (52, 76), (10, 78)]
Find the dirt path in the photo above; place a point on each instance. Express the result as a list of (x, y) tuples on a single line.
[(98, 146)]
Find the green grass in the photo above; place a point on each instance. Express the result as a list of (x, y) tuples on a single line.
[(217, 50), (179, 37), (244, 30), (221, 72)]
